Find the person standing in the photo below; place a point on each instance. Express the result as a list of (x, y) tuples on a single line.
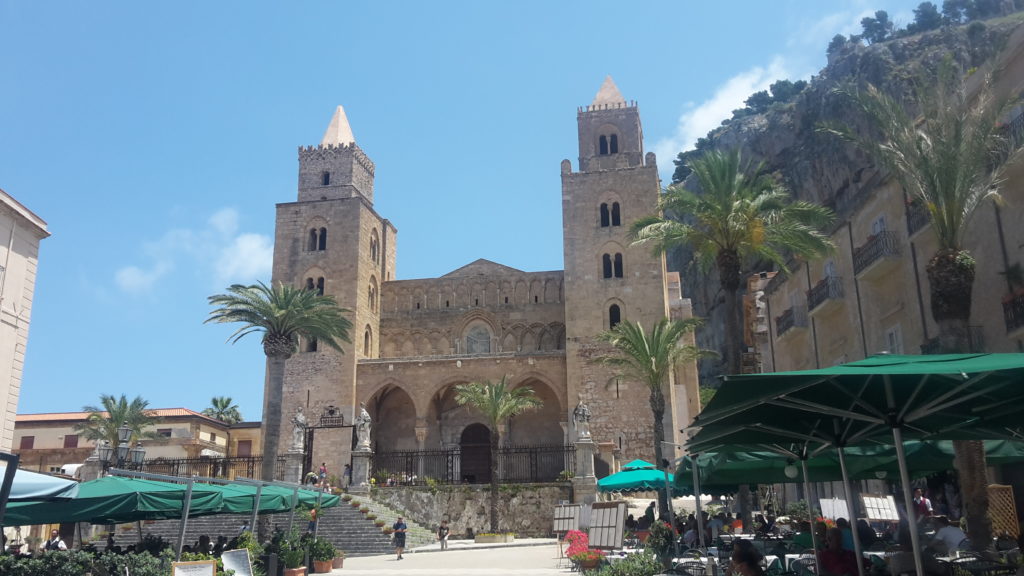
[(348, 475), (922, 505), (55, 542), (442, 534), (323, 472), (649, 514), (399, 527)]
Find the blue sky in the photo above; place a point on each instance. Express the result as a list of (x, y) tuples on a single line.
[(155, 140)]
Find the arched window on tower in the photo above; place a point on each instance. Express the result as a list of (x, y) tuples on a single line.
[(312, 244), (605, 219), (310, 285), (478, 340), (602, 145), (366, 342), (372, 295), (616, 215), (320, 285), (614, 316), (614, 145), (606, 266), (618, 265), (322, 244), (374, 247), (325, 179)]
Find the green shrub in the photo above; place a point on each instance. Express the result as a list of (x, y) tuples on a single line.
[(639, 564), (321, 549)]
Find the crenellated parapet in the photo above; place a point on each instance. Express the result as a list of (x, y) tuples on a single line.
[(323, 152)]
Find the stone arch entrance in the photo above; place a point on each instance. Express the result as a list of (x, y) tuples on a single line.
[(475, 448), (394, 420)]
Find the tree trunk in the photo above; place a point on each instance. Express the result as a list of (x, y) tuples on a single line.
[(971, 468), (729, 277), (494, 479), (658, 411), (272, 398), (951, 284)]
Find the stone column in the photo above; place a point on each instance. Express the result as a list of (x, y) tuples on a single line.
[(293, 461), (584, 484), (361, 470), (421, 445)]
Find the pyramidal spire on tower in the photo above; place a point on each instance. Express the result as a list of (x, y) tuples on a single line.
[(608, 94), (338, 131)]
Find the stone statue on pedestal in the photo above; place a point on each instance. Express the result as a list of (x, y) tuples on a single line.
[(362, 423), (581, 418), (298, 430)]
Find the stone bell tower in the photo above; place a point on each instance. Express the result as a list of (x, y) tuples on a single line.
[(333, 241), (607, 280)]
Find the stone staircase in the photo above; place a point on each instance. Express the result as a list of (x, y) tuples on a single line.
[(344, 526)]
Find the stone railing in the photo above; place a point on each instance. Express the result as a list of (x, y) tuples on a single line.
[(448, 466), (882, 245)]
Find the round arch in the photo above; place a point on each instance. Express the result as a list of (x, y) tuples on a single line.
[(393, 413)]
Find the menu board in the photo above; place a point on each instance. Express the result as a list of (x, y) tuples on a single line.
[(880, 507), (201, 568), (607, 521), (567, 517), (237, 560)]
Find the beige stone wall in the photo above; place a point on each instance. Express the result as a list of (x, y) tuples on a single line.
[(20, 234), (526, 509)]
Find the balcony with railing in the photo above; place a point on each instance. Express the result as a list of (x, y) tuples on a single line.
[(917, 217), (1013, 315), (825, 296), (791, 321), (876, 257)]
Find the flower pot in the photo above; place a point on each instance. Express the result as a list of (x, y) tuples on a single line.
[(295, 571), (590, 563), (322, 566), (338, 562)]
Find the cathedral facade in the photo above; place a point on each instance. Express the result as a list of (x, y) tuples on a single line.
[(413, 341)]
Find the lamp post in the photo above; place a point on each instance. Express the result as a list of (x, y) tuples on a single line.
[(126, 454)]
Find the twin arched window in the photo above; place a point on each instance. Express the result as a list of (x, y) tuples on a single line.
[(611, 266), (608, 144), (610, 216), (317, 239), (317, 285)]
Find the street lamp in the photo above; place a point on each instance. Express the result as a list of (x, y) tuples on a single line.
[(125, 453)]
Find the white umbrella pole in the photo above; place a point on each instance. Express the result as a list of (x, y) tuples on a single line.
[(852, 508), (256, 507), (696, 499), (295, 502), (901, 458), (186, 507), (810, 512)]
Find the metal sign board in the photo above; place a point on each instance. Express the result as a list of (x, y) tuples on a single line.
[(834, 508), (607, 521), (880, 507), (202, 568), (567, 517), (237, 560)]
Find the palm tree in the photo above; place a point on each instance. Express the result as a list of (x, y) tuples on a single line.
[(949, 155), (650, 359), (222, 408), (740, 215), (282, 314), (104, 420), (498, 403)]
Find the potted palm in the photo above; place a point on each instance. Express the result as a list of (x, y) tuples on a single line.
[(292, 559), (322, 552)]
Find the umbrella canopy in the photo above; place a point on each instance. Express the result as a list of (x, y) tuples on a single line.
[(637, 476), (115, 500), (948, 396), (32, 486)]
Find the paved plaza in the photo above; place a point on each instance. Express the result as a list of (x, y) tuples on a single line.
[(538, 557)]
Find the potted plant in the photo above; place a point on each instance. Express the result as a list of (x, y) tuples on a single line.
[(588, 559), (292, 559), (339, 559), (378, 523), (322, 552), (364, 509)]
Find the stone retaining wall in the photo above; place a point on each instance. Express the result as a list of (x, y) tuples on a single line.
[(526, 509)]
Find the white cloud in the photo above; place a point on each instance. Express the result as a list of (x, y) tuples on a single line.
[(698, 120), (247, 258), (216, 249)]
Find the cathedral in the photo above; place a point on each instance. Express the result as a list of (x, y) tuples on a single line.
[(414, 340)]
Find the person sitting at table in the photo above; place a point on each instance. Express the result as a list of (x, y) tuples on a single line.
[(902, 562), (834, 560), (866, 534), (745, 559), (844, 525), (631, 523), (947, 537)]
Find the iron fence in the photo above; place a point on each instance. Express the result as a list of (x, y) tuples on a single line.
[(883, 244), (795, 317), (228, 467), (828, 288), (917, 216), (515, 464)]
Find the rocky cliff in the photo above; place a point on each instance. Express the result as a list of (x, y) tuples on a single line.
[(816, 166)]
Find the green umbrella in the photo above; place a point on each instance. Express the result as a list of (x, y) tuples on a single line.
[(116, 500), (637, 476)]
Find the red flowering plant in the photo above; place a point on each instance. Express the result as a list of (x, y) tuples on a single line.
[(579, 550), (828, 522)]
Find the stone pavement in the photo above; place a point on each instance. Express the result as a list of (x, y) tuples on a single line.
[(527, 557)]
